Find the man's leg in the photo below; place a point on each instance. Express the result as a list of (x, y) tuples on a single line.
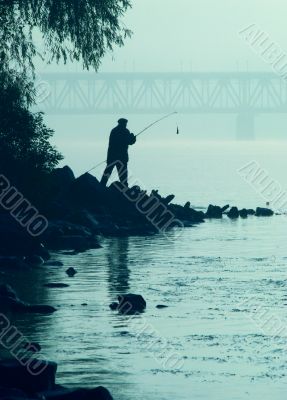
[(123, 173), (107, 174)]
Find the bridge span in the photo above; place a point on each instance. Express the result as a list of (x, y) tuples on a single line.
[(243, 93)]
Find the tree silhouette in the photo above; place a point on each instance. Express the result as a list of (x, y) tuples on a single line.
[(76, 30), (26, 156)]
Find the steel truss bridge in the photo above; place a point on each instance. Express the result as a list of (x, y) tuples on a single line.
[(243, 93)]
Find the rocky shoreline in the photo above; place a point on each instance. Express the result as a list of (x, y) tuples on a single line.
[(79, 212)]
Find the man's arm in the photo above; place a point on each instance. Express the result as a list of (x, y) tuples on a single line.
[(133, 139)]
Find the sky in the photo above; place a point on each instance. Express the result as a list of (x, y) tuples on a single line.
[(176, 35), (187, 35)]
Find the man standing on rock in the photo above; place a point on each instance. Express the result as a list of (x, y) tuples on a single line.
[(120, 140)]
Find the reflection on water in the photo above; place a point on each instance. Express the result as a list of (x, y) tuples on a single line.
[(118, 268)]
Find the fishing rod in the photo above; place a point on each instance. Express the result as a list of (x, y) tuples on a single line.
[(138, 134), (156, 122)]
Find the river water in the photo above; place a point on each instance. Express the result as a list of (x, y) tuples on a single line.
[(224, 282)]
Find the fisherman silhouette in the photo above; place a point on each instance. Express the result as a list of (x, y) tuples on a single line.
[(120, 140)]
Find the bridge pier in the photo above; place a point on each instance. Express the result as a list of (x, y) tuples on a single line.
[(245, 126)]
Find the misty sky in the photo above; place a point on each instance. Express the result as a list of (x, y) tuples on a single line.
[(175, 35)]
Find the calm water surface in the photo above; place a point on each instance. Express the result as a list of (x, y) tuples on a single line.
[(212, 278)]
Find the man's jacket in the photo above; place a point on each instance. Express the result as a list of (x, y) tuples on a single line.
[(120, 140)]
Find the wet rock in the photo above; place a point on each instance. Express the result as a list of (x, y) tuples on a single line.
[(31, 375), (233, 213), (71, 272), (187, 205), (250, 211), (213, 212), (243, 213), (55, 285), (129, 303), (161, 306), (264, 212), (9, 301)]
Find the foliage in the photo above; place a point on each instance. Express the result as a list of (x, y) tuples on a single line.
[(76, 30), (25, 151)]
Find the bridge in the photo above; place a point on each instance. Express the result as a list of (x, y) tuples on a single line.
[(245, 94)]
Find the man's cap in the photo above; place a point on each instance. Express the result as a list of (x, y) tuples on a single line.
[(123, 121)]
